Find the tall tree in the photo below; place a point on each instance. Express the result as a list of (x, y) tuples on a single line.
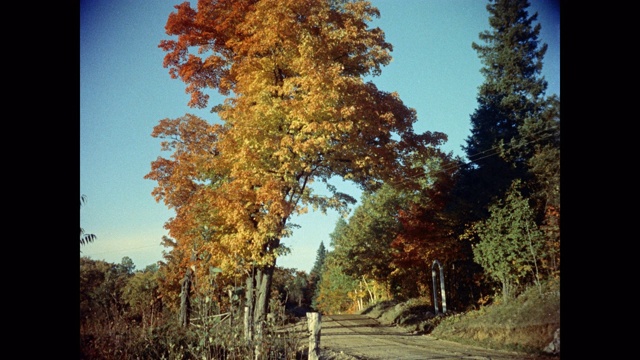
[(315, 275), (428, 235), (297, 111), (362, 246), (321, 255), (512, 94)]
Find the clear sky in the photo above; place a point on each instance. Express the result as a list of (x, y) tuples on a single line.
[(125, 92)]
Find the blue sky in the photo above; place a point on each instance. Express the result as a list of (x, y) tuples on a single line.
[(125, 91)]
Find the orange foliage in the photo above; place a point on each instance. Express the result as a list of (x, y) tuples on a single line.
[(299, 112), (427, 234)]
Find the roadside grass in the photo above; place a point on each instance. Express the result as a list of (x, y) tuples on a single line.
[(526, 324)]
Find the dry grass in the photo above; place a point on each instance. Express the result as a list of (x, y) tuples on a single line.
[(526, 324)]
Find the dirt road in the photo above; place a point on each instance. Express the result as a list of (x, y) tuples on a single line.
[(362, 337)]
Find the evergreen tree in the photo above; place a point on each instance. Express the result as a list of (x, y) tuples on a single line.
[(315, 276), (512, 95), (320, 257)]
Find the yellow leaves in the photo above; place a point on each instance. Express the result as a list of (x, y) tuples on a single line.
[(300, 111), (346, 112)]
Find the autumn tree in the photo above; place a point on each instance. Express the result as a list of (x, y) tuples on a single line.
[(428, 234), (297, 112), (169, 275)]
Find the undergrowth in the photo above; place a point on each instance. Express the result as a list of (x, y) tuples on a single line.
[(525, 324), (204, 340)]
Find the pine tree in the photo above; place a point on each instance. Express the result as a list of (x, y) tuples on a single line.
[(315, 276), (320, 257), (512, 94)]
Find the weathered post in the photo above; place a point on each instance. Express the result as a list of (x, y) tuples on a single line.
[(435, 291), (314, 323), (247, 334), (185, 303)]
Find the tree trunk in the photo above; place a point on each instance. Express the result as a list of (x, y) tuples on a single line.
[(185, 304), (249, 295), (257, 296), (264, 276)]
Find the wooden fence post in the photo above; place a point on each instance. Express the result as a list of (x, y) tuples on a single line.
[(247, 334), (435, 292), (314, 323)]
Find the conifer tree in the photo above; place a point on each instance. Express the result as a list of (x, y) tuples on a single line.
[(315, 275), (321, 254), (512, 95), (514, 132), (333, 292)]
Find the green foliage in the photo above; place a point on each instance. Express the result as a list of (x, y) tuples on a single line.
[(544, 165), (512, 59), (142, 295), (362, 247), (525, 324), (511, 99), (321, 255), (515, 137), (122, 317), (334, 288), (315, 276), (126, 265), (511, 243), (289, 288), (101, 285)]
